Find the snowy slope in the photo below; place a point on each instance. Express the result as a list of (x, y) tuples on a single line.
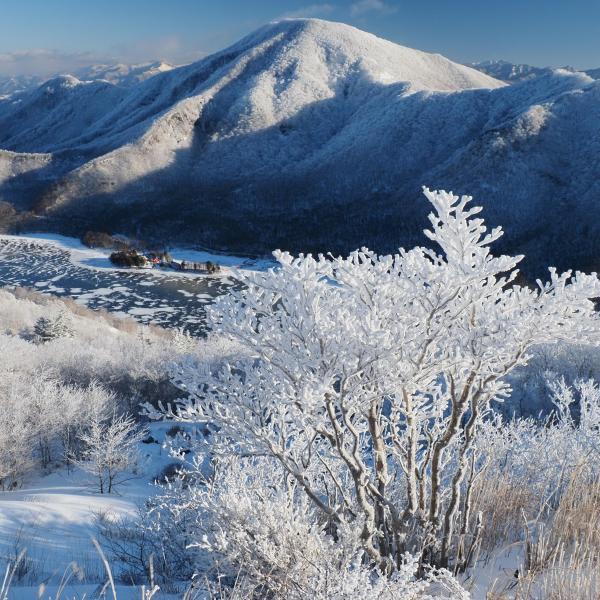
[(309, 135), (57, 111), (267, 78)]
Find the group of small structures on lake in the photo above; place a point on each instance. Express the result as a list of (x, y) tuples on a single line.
[(134, 259), (125, 255)]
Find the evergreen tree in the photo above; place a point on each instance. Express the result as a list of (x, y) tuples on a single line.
[(46, 329)]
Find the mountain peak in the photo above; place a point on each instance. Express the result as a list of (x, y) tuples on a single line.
[(305, 131), (335, 50)]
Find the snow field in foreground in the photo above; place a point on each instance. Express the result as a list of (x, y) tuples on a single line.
[(52, 519)]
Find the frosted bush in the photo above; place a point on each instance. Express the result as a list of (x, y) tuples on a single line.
[(50, 392), (253, 525), (350, 432)]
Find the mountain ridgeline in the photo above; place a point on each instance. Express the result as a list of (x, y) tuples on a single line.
[(309, 136), (513, 73), (117, 74)]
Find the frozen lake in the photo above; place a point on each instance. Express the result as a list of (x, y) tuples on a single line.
[(63, 267)]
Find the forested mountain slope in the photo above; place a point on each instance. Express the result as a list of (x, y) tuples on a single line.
[(309, 135)]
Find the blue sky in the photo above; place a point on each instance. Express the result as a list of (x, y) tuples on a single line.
[(43, 36)]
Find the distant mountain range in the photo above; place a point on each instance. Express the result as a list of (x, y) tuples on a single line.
[(513, 73), (117, 74), (11, 84), (310, 136), (122, 74)]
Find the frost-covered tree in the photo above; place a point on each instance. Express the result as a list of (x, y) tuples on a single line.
[(42, 328), (40, 418), (184, 342), (78, 408), (367, 378), (15, 444), (110, 450), (47, 329)]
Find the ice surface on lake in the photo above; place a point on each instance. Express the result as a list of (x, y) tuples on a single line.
[(166, 299)]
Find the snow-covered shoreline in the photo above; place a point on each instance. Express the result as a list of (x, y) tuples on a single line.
[(98, 258)]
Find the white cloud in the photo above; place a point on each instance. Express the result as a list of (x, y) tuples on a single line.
[(366, 6), (173, 49), (42, 62)]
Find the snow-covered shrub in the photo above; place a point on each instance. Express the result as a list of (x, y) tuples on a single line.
[(183, 341), (571, 362), (367, 379), (543, 471), (154, 544), (252, 524), (553, 526)]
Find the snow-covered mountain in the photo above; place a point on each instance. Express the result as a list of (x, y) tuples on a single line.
[(11, 84), (118, 74), (509, 72), (593, 73), (307, 135), (123, 74), (513, 73)]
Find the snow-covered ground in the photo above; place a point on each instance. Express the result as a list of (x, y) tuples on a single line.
[(52, 519)]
